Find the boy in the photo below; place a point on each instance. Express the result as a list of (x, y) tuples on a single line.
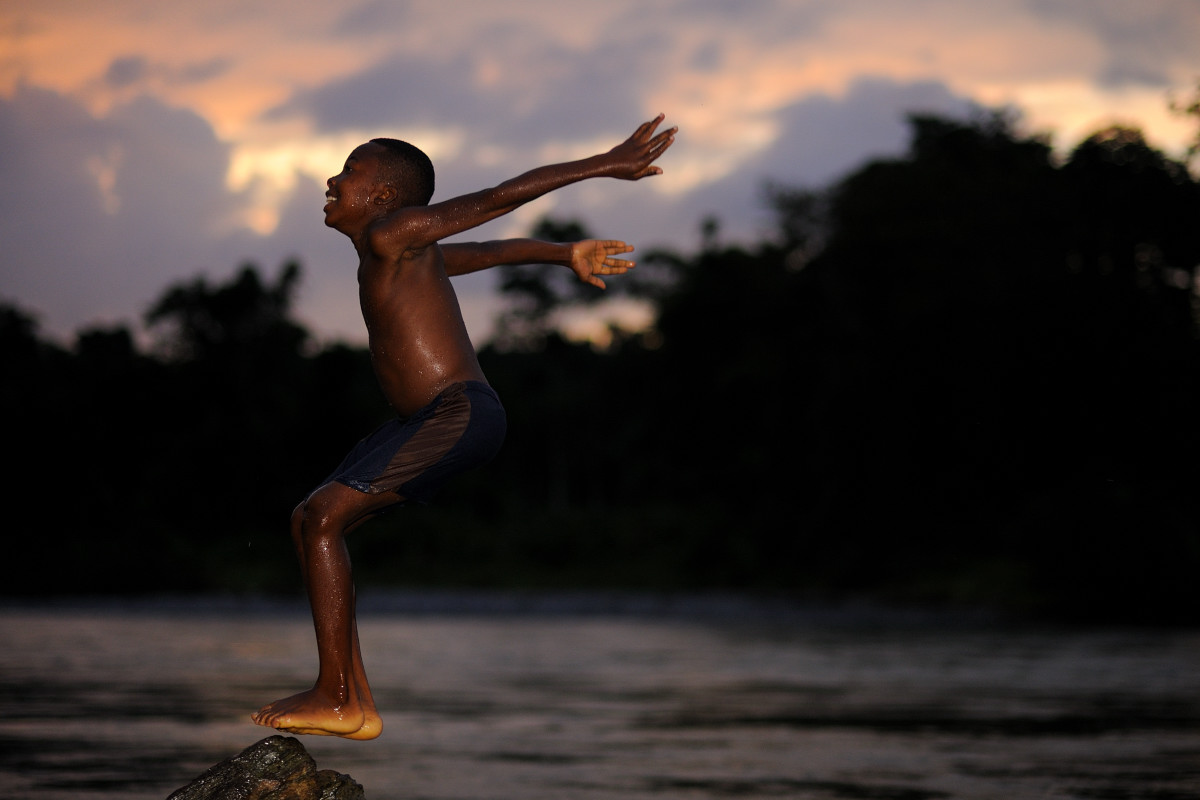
[(449, 418)]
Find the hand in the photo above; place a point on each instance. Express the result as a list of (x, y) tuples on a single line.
[(592, 257), (632, 158)]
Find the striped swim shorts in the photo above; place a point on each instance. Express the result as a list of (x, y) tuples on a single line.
[(461, 428)]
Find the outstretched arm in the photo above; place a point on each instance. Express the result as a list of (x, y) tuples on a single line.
[(412, 228), (588, 258)]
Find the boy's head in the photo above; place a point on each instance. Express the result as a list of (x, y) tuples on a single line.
[(407, 170)]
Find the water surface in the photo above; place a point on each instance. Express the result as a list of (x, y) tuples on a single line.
[(503, 697)]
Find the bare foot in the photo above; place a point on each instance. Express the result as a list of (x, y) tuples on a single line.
[(315, 712), (371, 727)]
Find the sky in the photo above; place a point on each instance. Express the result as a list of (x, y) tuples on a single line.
[(144, 143)]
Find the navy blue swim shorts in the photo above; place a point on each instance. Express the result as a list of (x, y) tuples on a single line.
[(461, 428)]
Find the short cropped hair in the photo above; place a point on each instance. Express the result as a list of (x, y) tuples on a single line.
[(408, 169)]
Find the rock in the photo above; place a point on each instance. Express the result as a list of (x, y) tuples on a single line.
[(277, 768)]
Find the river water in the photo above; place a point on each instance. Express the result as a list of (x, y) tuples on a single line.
[(538, 697)]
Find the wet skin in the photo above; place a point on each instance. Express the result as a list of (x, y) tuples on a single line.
[(419, 346)]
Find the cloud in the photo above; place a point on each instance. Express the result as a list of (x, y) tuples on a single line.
[(825, 136), (126, 71), (105, 212), (525, 90), (1123, 29), (108, 208), (142, 141), (820, 138), (59, 189)]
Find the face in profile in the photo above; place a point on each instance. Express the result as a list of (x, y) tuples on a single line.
[(351, 192)]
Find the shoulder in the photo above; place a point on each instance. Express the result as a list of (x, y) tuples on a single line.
[(397, 233), (388, 245)]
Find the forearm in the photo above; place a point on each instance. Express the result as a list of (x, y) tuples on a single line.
[(487, 204), (630, 160), (515, 192), (467, 257)]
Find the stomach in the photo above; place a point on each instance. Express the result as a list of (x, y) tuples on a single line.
[(411, 384)]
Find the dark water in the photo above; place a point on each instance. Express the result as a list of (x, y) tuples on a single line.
[(551, 698)]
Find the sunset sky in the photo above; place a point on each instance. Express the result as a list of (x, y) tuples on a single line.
[(145, 143)]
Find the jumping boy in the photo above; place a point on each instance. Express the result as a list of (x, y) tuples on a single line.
[(449, 419)]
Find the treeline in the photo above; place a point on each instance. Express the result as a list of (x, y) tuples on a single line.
[(967, 375)]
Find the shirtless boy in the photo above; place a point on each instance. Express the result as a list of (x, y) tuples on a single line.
[(449, 419)]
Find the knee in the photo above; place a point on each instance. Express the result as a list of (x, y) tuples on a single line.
[(316, 519)]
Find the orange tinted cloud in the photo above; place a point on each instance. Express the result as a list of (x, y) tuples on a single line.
[(271, 94)]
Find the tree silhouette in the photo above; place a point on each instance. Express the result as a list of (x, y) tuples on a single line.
[(964, 374), (220, 323), (1005, 325), (1190, 107)]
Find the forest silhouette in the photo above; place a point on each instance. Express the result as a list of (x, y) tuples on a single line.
[(967, 376)]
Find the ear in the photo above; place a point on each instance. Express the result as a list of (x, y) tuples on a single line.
[(387, 195)]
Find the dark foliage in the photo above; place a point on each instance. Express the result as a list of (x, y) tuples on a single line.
[(967, 375)]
